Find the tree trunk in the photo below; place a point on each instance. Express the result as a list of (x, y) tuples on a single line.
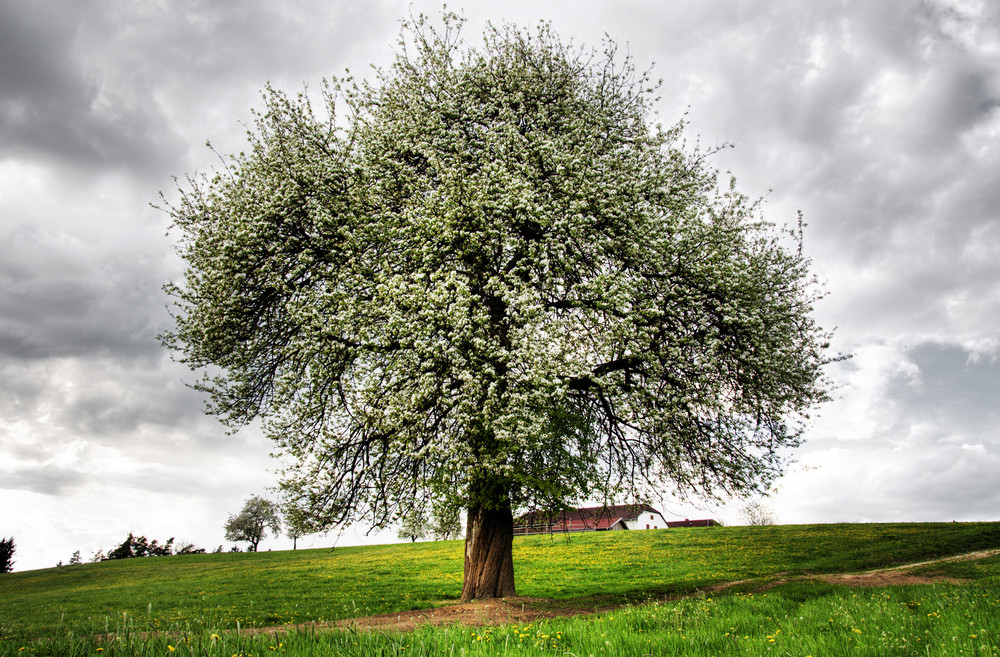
[(489, 560)]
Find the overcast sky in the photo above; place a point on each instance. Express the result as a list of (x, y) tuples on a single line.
[(878, 119)]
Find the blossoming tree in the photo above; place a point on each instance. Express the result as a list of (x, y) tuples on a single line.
[(485, 280)]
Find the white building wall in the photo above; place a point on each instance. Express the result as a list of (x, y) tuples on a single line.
[(647, 520)]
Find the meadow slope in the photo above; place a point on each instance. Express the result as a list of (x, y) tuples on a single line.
[(217, 592)]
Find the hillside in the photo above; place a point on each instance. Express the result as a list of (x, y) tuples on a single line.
[(219, 591)]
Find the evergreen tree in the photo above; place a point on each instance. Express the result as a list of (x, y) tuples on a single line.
[(7, 550)]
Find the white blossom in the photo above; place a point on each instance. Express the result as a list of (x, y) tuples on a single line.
[(492, 269)]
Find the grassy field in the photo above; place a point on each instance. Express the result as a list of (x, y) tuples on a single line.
[(197, 599)]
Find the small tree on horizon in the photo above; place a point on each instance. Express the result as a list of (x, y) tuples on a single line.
[(413, 526), (490, 280), (446, 525), (189, 548), (757, 513), (298, 523), (252, 522), (124, 551), (140, 546), (7, 550)]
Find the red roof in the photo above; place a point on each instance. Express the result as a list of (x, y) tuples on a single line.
[(707, 522)]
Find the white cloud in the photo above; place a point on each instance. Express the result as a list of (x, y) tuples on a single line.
[(925, 483)]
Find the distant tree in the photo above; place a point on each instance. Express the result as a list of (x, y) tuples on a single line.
[(134, 547), (236, 548), (494, 281), (252, 522), (218, 550), (294, 532), (446, 525), (75, 559), (298, 523), (189, 548), (98, 556), (413, 526), (123, 551), (164, 550), (757, 513), (7, 555)]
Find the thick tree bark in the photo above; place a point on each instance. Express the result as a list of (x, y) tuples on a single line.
[(489, 560)]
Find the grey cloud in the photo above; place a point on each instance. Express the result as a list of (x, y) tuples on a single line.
[(172, 464), (960, 477), (54, 107), (197, 67), (106, 400), (858, 106), (211, 477), (63, 297), (45, 480), (953, 390), (877, 123), (890, 150), (36, 42)]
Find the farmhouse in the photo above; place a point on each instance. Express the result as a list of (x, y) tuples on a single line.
[(599, 518)]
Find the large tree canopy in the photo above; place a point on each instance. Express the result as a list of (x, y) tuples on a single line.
[(485, 280)]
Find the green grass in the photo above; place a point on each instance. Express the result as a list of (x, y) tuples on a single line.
[(194, 597), (217, 591)]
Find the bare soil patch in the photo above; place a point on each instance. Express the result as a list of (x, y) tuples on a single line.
[(903, 575), (478, 613), (505, 611), (894, 576), (865, 580)]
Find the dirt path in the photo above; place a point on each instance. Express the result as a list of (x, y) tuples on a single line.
[(894, 576), (903, 575), (527, 610)]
